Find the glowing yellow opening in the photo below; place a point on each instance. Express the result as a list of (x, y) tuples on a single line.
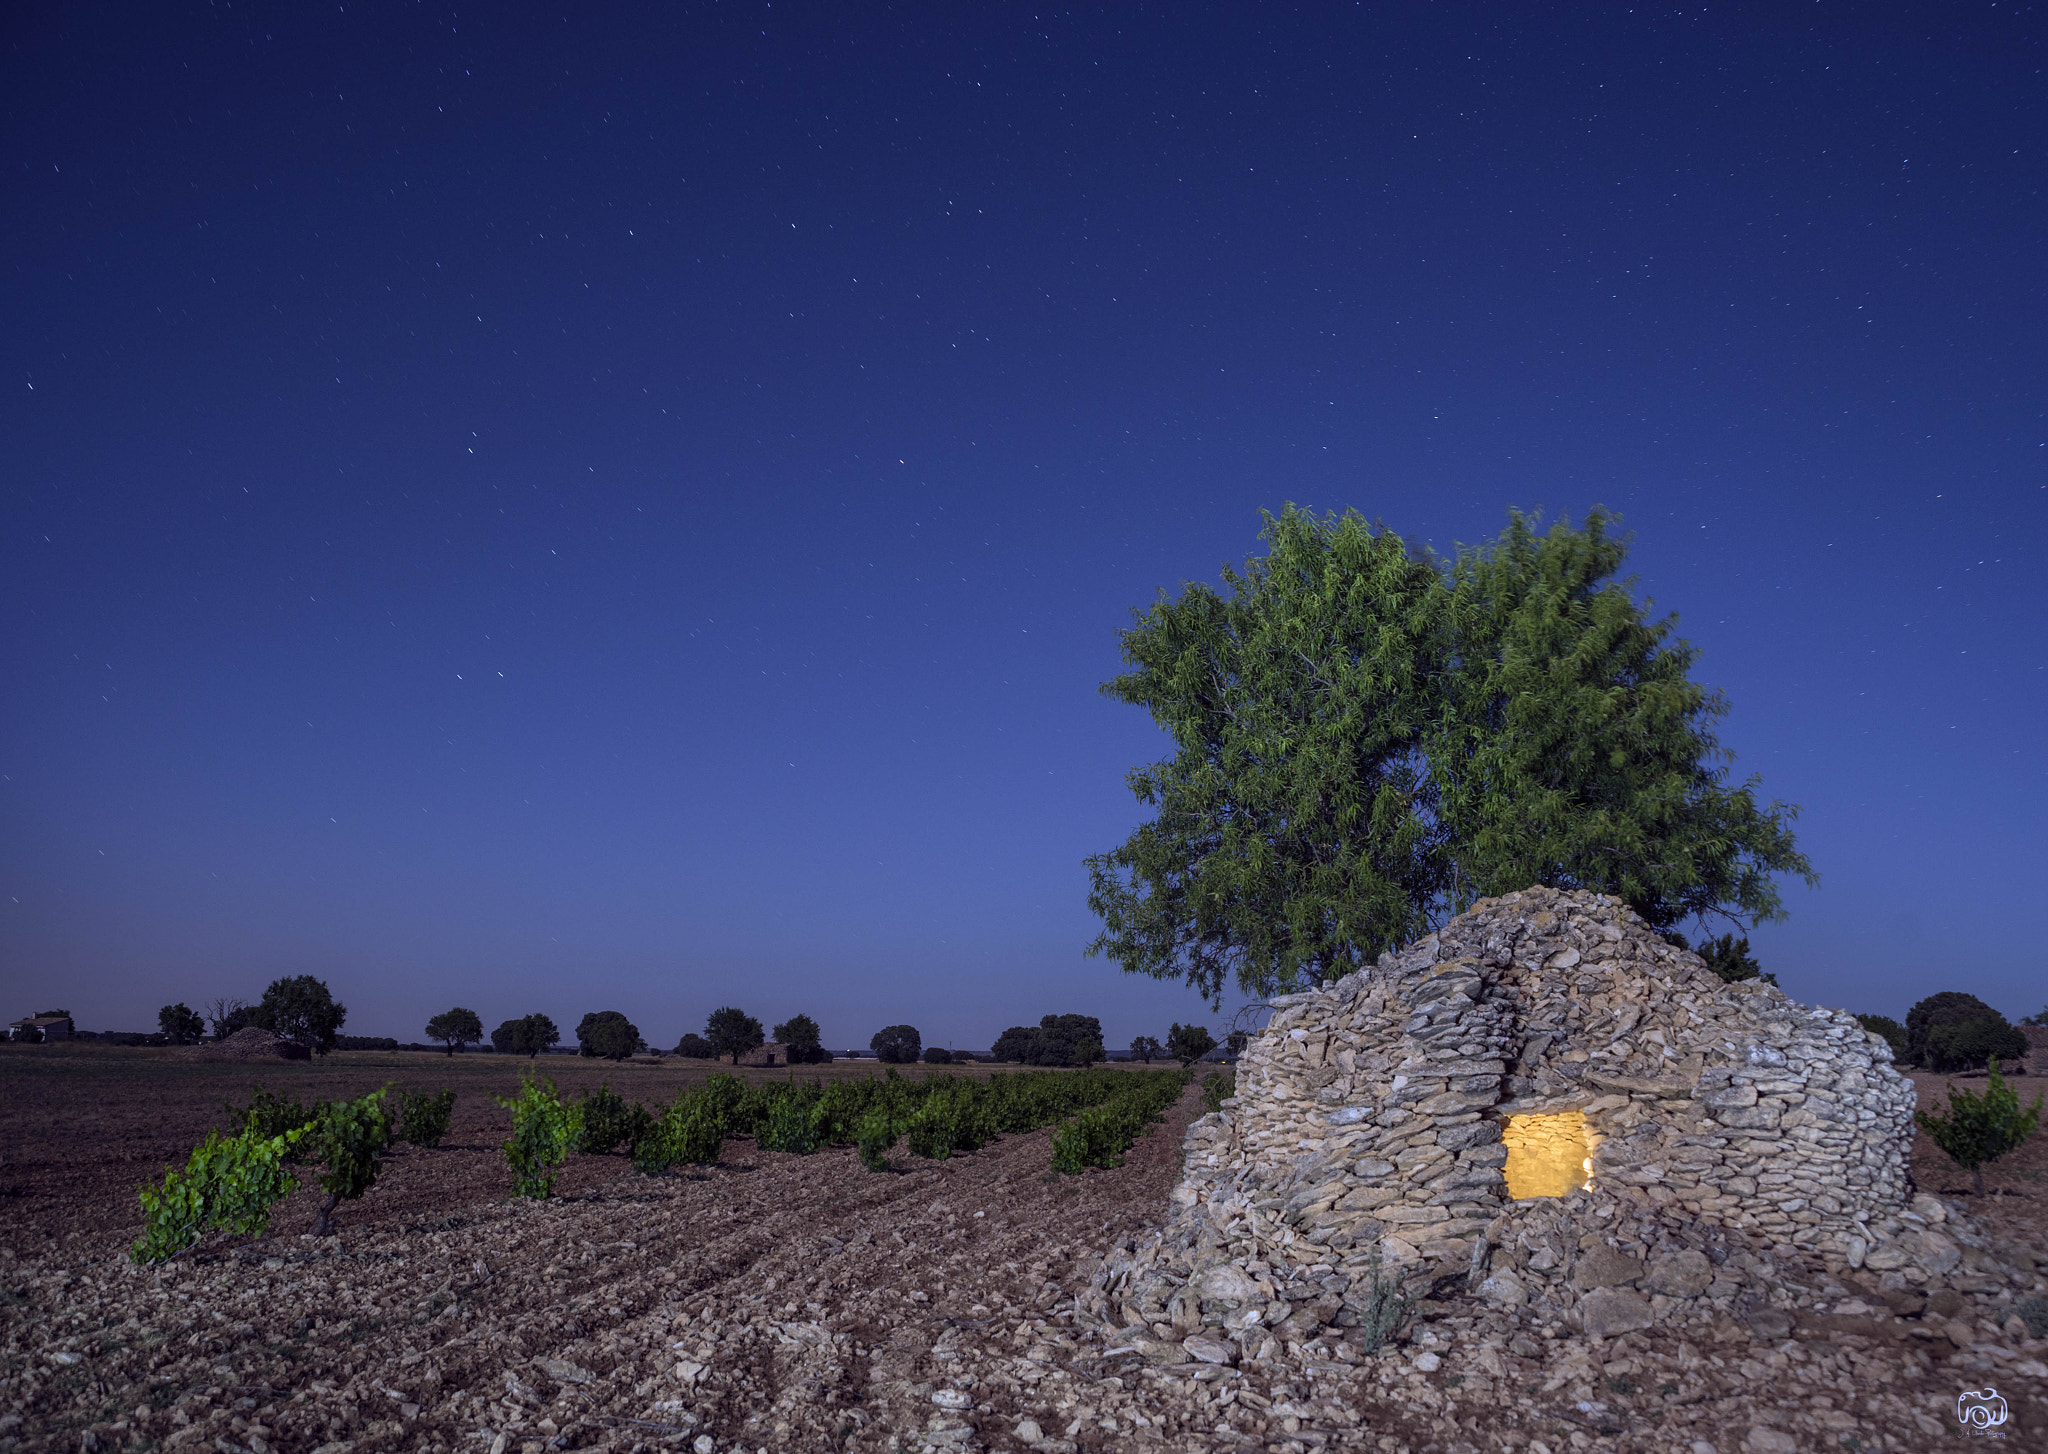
[(1548, 1156)]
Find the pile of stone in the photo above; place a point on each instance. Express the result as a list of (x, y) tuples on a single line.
[(250, 1043), (1549, 1102)]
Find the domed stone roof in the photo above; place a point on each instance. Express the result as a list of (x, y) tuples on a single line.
[(1544, 1064)]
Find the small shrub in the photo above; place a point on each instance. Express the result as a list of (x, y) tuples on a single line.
[(874, 1135), (230, 1183), (347, 1137), (726, 1096), (608, 1120), (1982, 1128), (937, 1055), (1383, 1309), (688, 1131), (269, 1114), (933, 1130), (423, 1119), (791, 1125), (1217, 1087), (2033, 1312), (544, 1126)]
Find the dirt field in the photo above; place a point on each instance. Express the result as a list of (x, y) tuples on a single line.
[(789, 1303)]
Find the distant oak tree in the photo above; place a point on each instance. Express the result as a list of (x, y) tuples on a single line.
[(300, 1009), (527, 1036), (181, 1024), (733, 1032), (456, 1028)]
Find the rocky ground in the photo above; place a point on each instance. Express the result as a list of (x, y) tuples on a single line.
[(802, 1303)]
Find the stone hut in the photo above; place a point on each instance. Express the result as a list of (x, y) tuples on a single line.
[(1543, 1075), (768, 1054)]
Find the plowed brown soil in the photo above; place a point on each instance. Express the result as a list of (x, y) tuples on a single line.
[(787, 1303)]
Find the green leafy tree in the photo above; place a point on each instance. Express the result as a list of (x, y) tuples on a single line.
[(300, 1009), (1888, 1029), (1145, 1048), (1982, 1041), (695, 1047), (1071, 1040), (1980, 1129), (1189, 1043), (1949, 1007), (1368, 739), (2040, 1019), (733, 1032), (799, 1034), (528, 1036), (456, 1028), (897, 1045), (181, 1024), (608, 1035), (937, 1055)]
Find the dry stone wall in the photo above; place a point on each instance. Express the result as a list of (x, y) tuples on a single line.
[(1375, 1120)]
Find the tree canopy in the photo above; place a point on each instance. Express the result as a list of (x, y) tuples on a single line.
[(695, 1047), (607, 1034), (1369, 738), (1189, 1043), (897, 1045), (300, 1009), (456, 1028), (732, 1032), (527, 1036), (1951, 1030), (181, 1024), (799, 1034), (1055, 1040)]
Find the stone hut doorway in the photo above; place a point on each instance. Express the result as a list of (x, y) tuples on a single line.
[(1548, 1155)]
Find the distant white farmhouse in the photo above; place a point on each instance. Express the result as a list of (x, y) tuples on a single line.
[(41, 1028)]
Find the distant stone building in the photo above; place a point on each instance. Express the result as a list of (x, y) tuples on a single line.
[(769, 1054), (41, 1028)]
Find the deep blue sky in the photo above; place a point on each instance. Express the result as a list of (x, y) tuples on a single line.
[(631, 511)]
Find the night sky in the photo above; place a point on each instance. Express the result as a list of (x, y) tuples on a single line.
[(631, 511)]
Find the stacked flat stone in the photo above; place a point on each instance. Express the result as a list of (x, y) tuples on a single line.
[(1367, 1128)]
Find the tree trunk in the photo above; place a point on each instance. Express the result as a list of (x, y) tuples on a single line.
[(323, 1225), (1977, 1175)]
